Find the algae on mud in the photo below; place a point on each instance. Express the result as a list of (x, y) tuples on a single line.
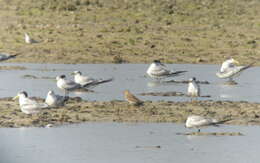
[(78, 111), (116, 31)]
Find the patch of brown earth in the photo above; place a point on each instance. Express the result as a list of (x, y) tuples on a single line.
[(78, 111)]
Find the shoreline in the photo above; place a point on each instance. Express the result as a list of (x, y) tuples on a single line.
[(79, 111)]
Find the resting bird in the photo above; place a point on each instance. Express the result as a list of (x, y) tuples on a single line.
[(28, 105), (157, 70), (130, 98), (196, 121), (229, 70), (87, 81), (193, 88), (54, 100), (67, 85), (6, 56)]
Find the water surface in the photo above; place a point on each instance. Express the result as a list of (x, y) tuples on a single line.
[(132, 77), (116, 143)]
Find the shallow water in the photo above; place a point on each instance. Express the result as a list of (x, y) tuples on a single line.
[(116, 143), (132, 77)]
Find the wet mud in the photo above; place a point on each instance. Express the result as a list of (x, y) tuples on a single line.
[(77, 111)]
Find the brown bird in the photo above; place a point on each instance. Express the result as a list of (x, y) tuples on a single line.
[(129, 97)]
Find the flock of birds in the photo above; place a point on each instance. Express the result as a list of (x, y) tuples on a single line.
[(32, 106), (156, 70)]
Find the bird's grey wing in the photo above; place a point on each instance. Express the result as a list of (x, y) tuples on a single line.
[(30, 101), (204, 122), (70, 85), (61, 99), (161, 72), (226, 66), (229, 72), (88, 81), (199, 121), (33, 106)]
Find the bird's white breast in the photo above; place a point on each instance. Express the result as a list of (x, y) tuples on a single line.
[(193, 89), (60, 83), (50, 100)]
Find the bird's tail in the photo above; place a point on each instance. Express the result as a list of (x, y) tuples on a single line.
[(221, 122), (101, 81), (177, 73), (247, 66), (104, 81)]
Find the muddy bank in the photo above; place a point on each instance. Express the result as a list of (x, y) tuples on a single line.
[(77, 111), (212, 134), (12, 68)]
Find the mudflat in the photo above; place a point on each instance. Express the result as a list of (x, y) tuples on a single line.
[(78, 111)]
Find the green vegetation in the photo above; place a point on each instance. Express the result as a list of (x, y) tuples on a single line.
[(137, 31)]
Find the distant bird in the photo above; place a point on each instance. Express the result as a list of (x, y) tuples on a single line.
[(88, 81), (28, 39), (196, 121), (54, 100), (6, 56), (193, 88), (130, 98), (158, 70), (66, 85), (229, 70), (28, 105)]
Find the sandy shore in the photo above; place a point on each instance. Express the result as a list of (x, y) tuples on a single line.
[(78, 111)]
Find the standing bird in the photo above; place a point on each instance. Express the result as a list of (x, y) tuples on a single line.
[(129, 97), (54, 100), (87, 81), (66, 85), (230, 70), (196, 121), (158, 70), (28, 39), (28, 105), (193, 88)]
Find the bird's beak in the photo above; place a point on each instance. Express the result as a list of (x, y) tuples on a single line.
[(235, 61), (15, 97)]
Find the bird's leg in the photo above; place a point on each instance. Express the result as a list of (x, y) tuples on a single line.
[(231, 81), (66, 93), (157, 80), (196, 98), (193, 99)]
